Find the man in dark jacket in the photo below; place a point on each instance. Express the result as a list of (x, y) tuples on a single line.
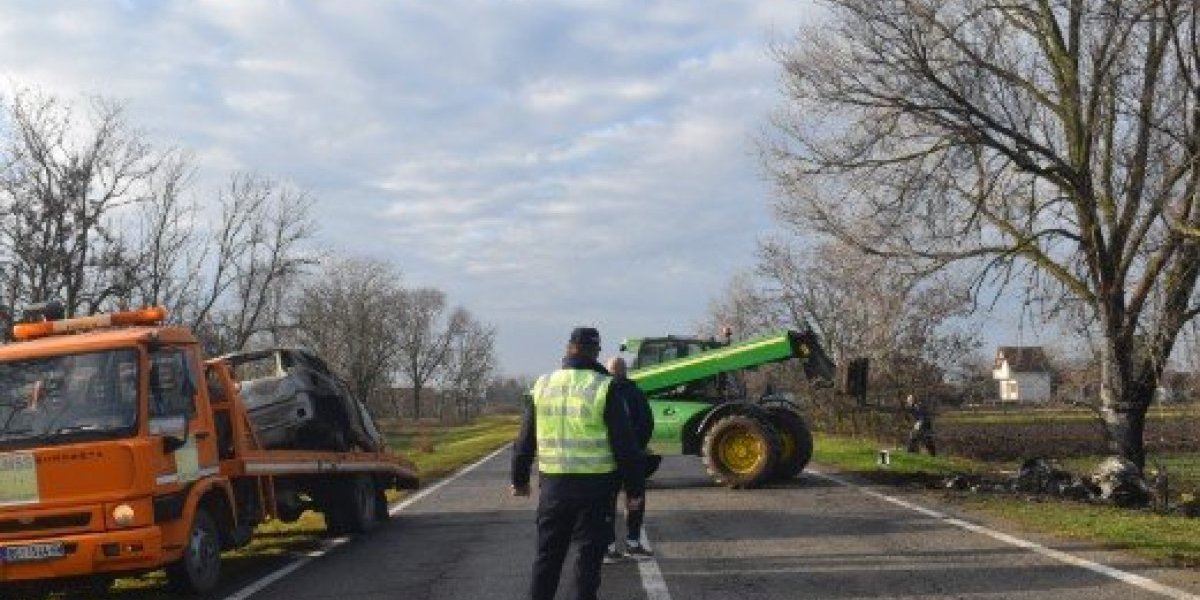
[(922, 431), (578, 429), (643, 428)]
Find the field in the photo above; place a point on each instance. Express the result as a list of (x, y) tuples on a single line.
[(1010, 434)]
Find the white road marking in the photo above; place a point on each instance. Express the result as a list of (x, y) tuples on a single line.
[(274, 576), (1138, 581), (652, 577), (287, 569), (407, 502)]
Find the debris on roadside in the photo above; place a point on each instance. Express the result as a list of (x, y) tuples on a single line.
[(1042, 476), (1121, 483), (961, 482), (972, 482), (1080, 490), (1188, 506), (1115, 480)]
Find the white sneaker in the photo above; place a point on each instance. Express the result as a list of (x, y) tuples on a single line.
[(635, 550)]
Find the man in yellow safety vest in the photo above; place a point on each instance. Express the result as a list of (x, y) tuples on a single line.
[(578, 429)]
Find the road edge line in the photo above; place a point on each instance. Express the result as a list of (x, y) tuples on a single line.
[(267, 580), (653, 582), (409, 501), (1133, 579)]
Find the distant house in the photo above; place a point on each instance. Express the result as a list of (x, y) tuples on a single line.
[(1023, 374)]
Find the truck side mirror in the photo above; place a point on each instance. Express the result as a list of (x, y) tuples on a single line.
[(173, 430)]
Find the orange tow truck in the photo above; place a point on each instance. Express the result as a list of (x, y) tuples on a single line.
[(123, 451)]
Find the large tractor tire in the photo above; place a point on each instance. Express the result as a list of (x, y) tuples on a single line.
[(200, 568), (741, 451), (795, 443)]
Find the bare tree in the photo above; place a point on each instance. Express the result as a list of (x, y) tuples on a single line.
[(165, 243), (93, 215), (67, 180), (470, 363), (252, 256), (743, 307), (349, 313), (1038, 139), (508, 392), (859, 305), (426, 333)]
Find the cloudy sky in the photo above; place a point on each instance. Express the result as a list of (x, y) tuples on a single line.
[(545, 163)]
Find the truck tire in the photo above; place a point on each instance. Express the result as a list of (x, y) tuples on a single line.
[(382, 510), (352, 506), (200, 568), (740, 451), (795, 443)]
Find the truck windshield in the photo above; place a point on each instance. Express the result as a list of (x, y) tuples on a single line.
[(68, 398)]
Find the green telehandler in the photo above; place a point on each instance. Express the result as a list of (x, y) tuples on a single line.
[(700, 407)]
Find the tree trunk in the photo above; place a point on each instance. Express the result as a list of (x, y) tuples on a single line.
[(1123, 404), (1125, 432)]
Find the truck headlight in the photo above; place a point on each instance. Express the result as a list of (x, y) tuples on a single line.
[(123, 515)]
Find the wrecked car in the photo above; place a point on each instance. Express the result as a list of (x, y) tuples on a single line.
[(295, 401)]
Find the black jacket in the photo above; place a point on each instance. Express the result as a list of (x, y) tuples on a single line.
[(639, 410), (626, 451)]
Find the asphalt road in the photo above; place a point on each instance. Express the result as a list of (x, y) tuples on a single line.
[(811, 538)]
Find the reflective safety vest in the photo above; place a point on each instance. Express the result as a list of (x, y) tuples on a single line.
[(571, 435)]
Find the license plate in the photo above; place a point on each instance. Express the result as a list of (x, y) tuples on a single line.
[(33, 552)]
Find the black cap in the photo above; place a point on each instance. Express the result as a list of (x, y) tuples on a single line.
[(585, 336)]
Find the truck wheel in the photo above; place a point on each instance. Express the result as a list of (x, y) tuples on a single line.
[(795, 443), (353, 507), (200, 568), (382, 510), (740, 451)]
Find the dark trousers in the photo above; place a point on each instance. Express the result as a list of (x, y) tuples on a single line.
[(633, 520), (587, 520), (921, 437)]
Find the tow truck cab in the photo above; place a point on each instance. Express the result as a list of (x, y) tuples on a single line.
[(107, 446)]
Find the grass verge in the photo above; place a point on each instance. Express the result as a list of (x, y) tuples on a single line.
[(437, 450), (1167, 539)]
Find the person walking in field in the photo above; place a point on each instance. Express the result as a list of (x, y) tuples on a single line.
[(642, 420), (578, 429), (922, 431)]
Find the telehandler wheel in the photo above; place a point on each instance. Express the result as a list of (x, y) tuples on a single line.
[(740, 451), (795, 443), (200, 568)]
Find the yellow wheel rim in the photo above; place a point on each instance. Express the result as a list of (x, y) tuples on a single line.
[(741, 451)]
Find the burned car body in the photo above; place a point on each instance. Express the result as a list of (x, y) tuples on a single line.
[(295, 401)]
